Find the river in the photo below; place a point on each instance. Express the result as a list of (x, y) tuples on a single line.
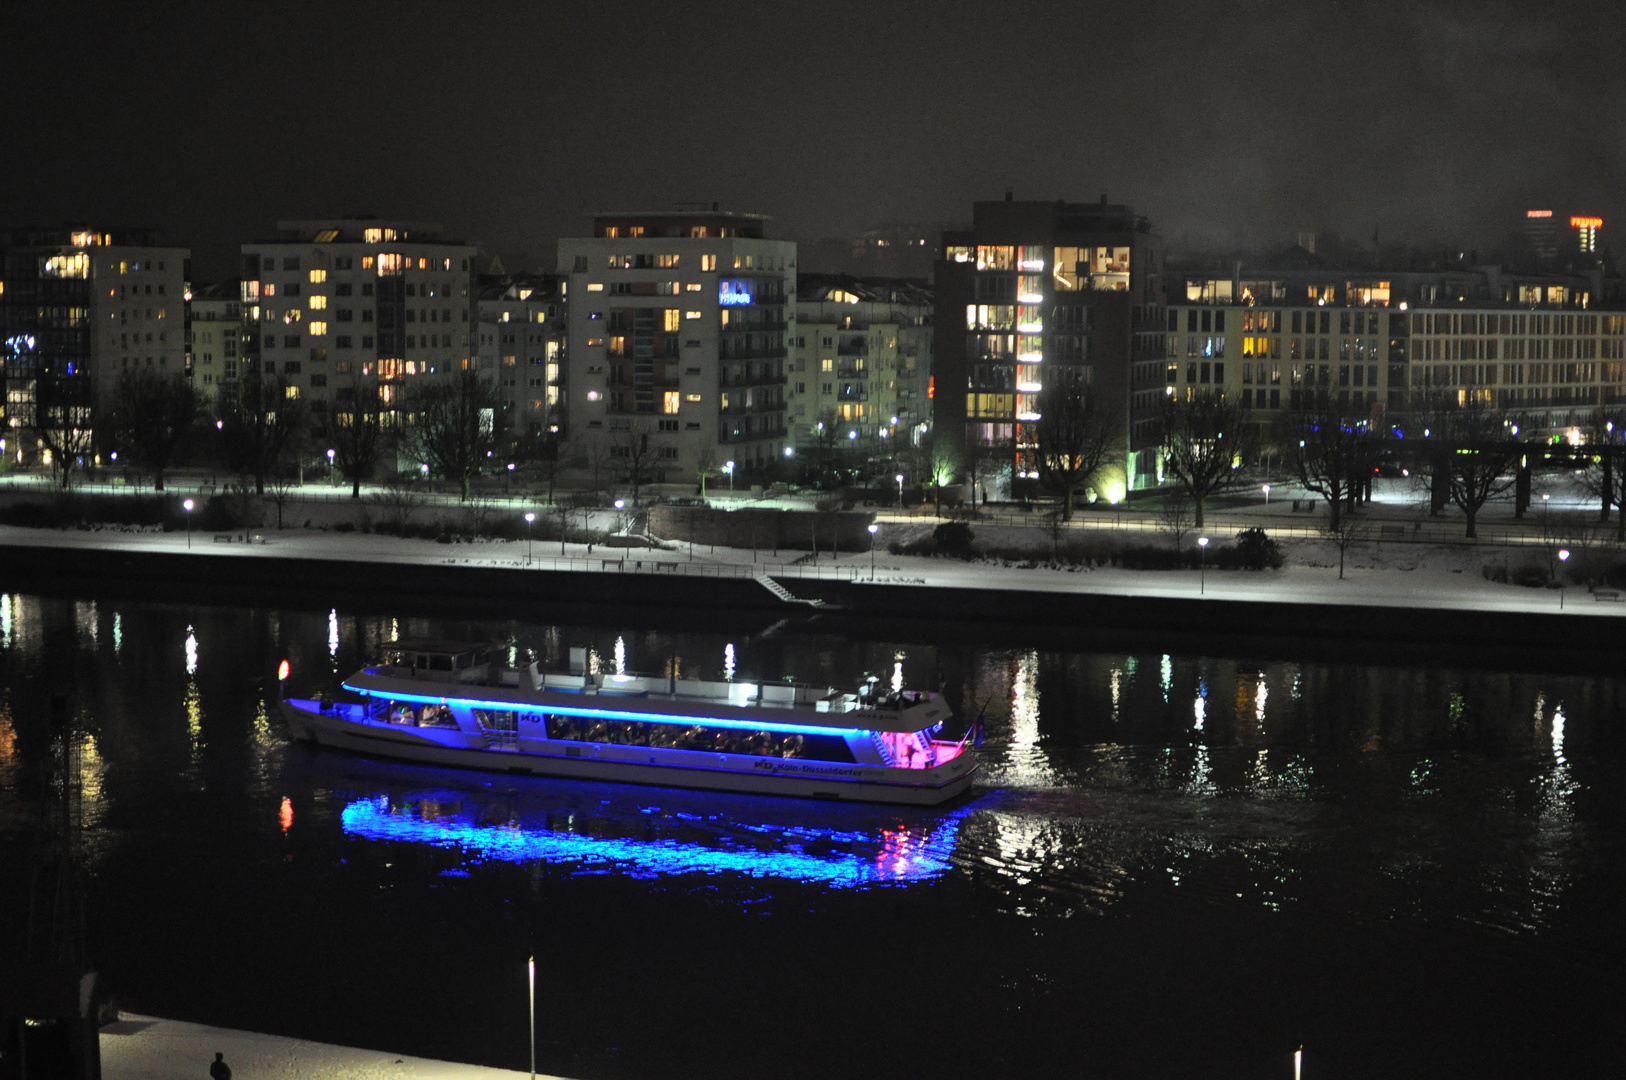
[(1185, 856)]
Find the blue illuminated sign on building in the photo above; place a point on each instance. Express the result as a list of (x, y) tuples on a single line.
[(734, 292)]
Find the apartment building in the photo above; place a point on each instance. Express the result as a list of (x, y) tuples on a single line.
[(1381, 344), (214, 337), (678, 323), (1040, 294), (346, 306), (861, 360), (523, 339), (79, 307)]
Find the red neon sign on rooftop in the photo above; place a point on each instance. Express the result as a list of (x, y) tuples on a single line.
[(1586, 222), (1538, 213)]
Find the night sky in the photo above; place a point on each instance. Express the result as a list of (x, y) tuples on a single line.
[(1226, 123)]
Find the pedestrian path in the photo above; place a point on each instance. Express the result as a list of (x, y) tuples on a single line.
[(147, 1048)]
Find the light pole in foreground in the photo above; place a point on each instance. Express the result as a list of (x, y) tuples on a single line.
[(332, 477), (1267, 494), (529, 519), (1202, 564), (530, 979), (899, 479), (873, 529), (728, 467), (1563, 557), (188, 504)]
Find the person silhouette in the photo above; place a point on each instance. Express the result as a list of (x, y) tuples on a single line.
[(219, 1070)]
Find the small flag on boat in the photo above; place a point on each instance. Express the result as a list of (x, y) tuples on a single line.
[(976, 729)]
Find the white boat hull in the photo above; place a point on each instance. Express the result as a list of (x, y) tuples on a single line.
[(797, 778)]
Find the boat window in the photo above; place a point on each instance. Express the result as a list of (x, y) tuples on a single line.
[(497, 719), (907, 749), (420, 661), (440, 663), (700, 737)]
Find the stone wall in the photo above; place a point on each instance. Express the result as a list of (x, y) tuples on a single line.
[(760, 527)]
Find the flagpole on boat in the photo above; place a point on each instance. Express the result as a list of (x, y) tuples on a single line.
[(530, 979)]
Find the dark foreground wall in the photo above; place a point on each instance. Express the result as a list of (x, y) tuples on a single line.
[(985, 608), (763, 528)]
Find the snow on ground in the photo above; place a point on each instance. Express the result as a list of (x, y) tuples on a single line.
[(146, 1048)]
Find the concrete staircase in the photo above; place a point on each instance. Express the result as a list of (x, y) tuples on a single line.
[(787, 596)]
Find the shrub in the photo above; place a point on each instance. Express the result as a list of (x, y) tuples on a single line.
[(1149, 557), (953, 538), (1255, 550)]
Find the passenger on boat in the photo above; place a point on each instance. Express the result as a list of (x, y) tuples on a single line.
[(403, 714)]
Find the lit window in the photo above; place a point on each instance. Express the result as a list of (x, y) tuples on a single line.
[(691, 398), (671, 322), (66, 266), (318, 276), (691, 314), (595, 286), (366, 262), (666, 261), (592, 395), (827, 365), (669, 402), (318, 302), (708, 262), (318, 328), (693, 286), (290, 392)]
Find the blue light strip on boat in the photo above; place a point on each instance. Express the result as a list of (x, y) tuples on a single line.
[(898, 857), (613, 714)]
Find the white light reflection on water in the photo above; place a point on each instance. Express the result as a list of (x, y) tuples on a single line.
[(333, 636), (5, 619), (1199, 707), (1260, 694), (1028, 764), (191, 651), (118, 632), (84, 618), (1166, 676), (1116, 679)]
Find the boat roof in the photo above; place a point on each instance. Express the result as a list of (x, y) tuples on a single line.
[(434, 645)]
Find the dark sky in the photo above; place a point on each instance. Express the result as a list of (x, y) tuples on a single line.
[(1226, 123)]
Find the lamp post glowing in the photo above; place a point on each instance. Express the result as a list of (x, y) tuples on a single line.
[(728, 467), (1202, 565), (1563, 557), (530, 981), (187, 505), (1267, 494), (529, 519), (899, 479), (332, 477), (1298, 1062), (873, 529)]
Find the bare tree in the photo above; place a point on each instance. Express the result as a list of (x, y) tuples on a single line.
[(354, 429), (1332, 451), (1205, 441), (153, 418), (278, 490), (1472, 455), (63, 418), (1174, 516), (398, 500), (1605, 475), (636, 453), (1343, 530), (264, 426), (705, 466), (453, 425), (1078, 437)]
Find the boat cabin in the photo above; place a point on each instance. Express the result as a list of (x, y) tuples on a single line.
[(444, 661)]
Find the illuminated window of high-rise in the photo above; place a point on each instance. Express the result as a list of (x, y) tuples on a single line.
[(669, 402), (670, 321), (708, 262), (318, 302), (318, 276), (317, 328), (666, 261)]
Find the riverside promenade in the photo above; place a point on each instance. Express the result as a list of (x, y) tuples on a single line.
[(147, 1048)]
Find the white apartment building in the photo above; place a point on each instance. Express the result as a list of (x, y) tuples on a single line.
[(678, 323), (342, 306), (522, 342), (214, 338), (861, 360), (78, 308)]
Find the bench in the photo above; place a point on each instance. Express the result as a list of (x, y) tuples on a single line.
[(1392, 530), (1305, 505), (221, 538), (619, 564), (1606, 594)]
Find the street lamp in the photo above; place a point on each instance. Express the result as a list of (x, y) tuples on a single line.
[(873, 529), (1563, 557), (529, 518), (530, 980), (728, 467), (330, 476), (1202, 564), (188, 504), (1267, 494), (899, 479)]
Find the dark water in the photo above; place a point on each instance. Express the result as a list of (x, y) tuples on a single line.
[(1183, 859)]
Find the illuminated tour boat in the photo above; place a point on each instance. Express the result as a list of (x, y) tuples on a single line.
[(443, 703)]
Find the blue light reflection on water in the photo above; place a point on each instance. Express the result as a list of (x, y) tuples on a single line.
[(893, 854)]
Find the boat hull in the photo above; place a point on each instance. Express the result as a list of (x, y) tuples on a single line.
[(798, 778)]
